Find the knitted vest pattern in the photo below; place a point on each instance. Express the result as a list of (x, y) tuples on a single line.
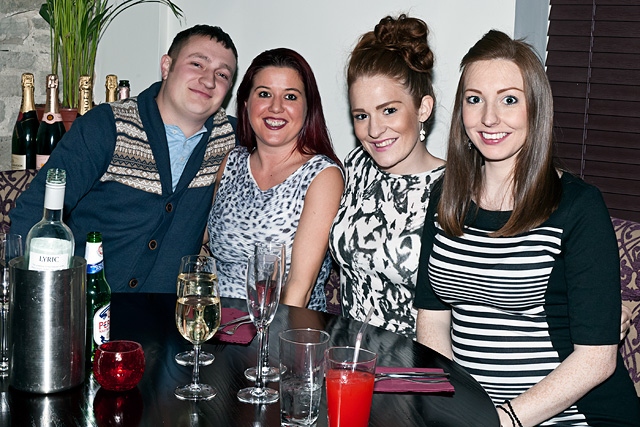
[(133, 163)]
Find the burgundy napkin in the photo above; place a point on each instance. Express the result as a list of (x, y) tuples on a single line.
[(400, 385), (244, 334)]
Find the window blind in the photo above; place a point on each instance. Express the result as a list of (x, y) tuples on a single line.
[(593, 64)]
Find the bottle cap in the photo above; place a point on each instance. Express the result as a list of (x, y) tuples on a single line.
[(56, 176)]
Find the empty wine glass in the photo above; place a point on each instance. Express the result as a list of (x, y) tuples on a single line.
[(10, 247), (269, 373), (197, 316), (264, 281)]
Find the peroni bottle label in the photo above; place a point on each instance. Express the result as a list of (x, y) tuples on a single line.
[(101, 325)]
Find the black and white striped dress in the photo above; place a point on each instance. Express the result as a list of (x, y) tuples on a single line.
[(520, 303)]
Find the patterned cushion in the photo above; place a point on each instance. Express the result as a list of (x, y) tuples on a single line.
[(628, 234), (332, 290), (12, 183)]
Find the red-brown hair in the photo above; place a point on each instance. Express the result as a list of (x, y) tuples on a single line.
[(314, 135), (397, 48)]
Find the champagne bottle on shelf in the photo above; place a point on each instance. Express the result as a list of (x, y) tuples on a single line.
[(51, 127), (98, 297), (23, 143), (123, 89), (85, 95), (50, 243), (111, 85)]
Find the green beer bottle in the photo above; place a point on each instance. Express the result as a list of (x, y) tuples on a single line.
[(98, 297)]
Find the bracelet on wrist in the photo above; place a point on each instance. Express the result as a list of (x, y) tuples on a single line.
[(517, 422), (506, 411)]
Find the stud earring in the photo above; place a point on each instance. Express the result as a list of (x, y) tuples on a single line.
[(423, 134)]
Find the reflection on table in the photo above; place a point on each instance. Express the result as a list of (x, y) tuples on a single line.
[(149, 319)]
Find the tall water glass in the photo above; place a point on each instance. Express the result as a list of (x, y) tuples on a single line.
[(197, 316), (302, 375), (263, 293), (10, 247), (269, 373)]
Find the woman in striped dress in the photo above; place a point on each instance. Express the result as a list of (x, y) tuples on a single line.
[(519, 270)]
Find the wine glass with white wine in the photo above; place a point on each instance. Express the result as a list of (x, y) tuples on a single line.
[(186, 358), (197, 316)]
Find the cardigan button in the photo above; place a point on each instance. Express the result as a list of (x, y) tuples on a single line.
[(153, 245), (168, 207), (133, 283)]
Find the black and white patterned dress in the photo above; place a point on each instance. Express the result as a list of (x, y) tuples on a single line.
[(519, 304), (242, 215), (375, 238)]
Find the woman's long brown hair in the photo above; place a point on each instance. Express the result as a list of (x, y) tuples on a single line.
[(536, 184)]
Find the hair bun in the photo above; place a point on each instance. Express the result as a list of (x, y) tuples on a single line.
[(408, 36)]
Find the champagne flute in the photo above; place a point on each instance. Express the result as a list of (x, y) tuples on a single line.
[(197, 316), (269, 373), (10, 247), (264, 281)]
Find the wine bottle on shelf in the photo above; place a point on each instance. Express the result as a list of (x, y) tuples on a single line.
[(51, 128), (98, 297), (111, 86), (50, 243), (23, 143), (123, 89), (85, 95)]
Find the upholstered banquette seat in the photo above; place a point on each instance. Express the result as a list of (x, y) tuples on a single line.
[(628, 234)]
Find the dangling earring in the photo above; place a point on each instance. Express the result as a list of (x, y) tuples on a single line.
[(469, 144), (423, 134)]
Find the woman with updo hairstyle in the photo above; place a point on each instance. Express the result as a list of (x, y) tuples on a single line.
[(375, 237)]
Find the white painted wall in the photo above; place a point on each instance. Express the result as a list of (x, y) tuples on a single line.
[(324, 32)]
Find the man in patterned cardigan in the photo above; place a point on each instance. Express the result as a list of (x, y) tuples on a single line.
[(142, 170)]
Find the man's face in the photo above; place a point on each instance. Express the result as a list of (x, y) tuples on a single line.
[(196, 82)]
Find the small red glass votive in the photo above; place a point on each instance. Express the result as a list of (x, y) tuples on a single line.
[(118, 365)]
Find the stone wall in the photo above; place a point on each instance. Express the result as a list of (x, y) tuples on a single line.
[(24, 47)]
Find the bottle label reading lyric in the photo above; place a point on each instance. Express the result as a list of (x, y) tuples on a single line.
[(49, 254), (102, 324)]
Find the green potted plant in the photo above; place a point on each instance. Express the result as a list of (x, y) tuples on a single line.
[(76, 27)]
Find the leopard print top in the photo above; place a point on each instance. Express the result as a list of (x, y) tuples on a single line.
[(243, 214)]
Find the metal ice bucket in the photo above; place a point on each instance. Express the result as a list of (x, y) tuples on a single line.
[(47, 321)]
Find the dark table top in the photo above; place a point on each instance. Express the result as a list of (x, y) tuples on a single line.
[(149, 319)]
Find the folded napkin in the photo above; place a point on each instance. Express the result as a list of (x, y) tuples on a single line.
[(401, 385), (243, 335)]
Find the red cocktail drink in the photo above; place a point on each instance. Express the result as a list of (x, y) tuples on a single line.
[(350, 376), (349, 396)]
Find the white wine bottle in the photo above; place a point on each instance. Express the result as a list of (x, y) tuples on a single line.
[(50, 243)]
